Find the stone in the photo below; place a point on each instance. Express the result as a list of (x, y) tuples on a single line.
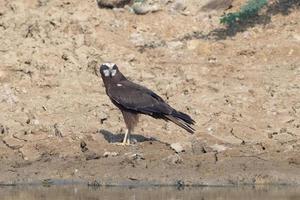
[(178, 5), (112, 3), (200, 147), (57, 131), (270, 135), (102, 116), (174, 45), (136, 156), (140, 8), (217, 5), (192, 44), (144, 40), (4, 129), (89, 155), (110, 154), (177, 147), (297, 37), (218, 147)]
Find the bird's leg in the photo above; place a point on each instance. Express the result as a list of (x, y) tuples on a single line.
[(126, 140), (125, 137), (128, 136)]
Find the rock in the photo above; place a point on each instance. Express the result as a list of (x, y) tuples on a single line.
[(112, 3), (217, 5), (200, 147), (57, 131), (119, 9), (174, 45), (29, 153), (128, 8), (83, 146), (218, 147), (136, 156), (13, 143), (110, 154), (91, 155), (210, 129), (132, 159), (146, 40), (192, 44), (3, 129), (270, 135), (178, 5), (102, 116), (177, 147), (173, 159), (140, 8), (297, 37)]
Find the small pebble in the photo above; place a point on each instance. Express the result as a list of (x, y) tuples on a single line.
[(177, 147)]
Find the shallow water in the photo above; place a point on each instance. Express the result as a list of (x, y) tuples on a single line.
[(77, 192)]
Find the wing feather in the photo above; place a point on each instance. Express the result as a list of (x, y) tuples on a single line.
[(138, 98)]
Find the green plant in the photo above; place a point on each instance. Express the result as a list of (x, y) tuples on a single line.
[(247, 11)]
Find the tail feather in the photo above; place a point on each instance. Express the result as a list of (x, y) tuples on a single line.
[(183, 120), (183, 117)]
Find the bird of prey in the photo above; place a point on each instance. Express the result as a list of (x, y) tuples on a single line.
[(133, 99)]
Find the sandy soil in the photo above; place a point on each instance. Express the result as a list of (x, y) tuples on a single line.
[(241, 87)]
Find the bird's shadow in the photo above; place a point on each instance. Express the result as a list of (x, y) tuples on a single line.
[(117, 138)]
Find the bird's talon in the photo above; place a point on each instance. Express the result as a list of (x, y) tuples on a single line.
[(120, 143), (123, 143)]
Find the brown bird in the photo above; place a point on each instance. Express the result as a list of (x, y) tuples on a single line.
[(133, 99)]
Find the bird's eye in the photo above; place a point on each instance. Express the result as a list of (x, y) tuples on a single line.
[(103, 67), (113, 72), (106, 72)]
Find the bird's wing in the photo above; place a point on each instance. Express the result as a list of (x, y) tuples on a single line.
[(134, 97)]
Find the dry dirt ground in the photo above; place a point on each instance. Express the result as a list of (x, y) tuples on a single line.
[(242, 87)]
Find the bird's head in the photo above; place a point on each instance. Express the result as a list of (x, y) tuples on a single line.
[(110, 73), (108, 70)]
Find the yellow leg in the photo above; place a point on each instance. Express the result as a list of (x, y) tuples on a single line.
[(126, 140), (128, 137), (125, 137)]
